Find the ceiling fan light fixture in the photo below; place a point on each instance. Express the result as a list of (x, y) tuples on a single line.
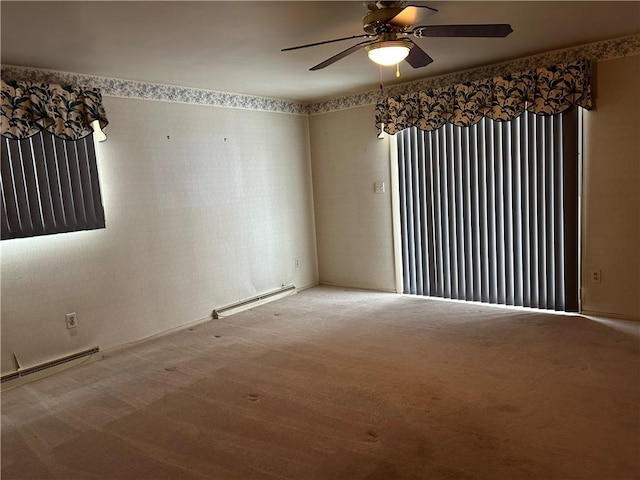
[(388, 53)]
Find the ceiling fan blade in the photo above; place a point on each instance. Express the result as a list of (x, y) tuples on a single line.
[(327, 41), (417, 57), (342, 54), (411, 14), (482, 30)]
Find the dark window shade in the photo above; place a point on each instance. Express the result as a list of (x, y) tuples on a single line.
[(49, 185), (489, 212)]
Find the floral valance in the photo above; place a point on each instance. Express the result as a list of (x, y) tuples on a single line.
[(66, 111), (544, 91)]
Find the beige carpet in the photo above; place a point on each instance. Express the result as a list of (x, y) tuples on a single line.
[(342, 384)]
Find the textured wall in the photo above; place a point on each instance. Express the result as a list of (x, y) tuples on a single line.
[(354, 234), (195, 222), (611, 238), (215, 213), (355, 245)]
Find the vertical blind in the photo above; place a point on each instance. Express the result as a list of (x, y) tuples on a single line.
[(489, 212), (49, 185)]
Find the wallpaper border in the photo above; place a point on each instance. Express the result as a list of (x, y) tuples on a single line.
[(596, 51), (114, 87)]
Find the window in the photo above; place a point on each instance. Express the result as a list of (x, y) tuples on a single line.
[(49, 176), (49, 185), (490, 212)]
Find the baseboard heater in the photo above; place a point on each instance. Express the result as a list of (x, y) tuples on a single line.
[(23, 372), (253, 301)]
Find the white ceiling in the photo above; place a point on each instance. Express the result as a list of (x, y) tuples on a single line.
[(235, 46)]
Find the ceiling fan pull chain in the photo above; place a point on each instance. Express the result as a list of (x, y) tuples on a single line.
[(381, 84), (397, 70)]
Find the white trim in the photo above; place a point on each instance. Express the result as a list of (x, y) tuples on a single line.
[(610, 315), (395, 212)]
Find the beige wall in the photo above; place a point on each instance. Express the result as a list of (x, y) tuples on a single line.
[(611, 239), (214, 214), (219, 211), (354, 236), (355, 246)]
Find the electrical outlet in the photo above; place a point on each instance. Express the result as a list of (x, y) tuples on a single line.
[(596, 276), (72, 320), (297, 262), (378, 187)]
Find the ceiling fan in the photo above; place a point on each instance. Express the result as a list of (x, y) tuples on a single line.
[(388, 27)]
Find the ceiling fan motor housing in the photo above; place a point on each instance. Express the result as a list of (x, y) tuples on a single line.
[(377, 21)]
